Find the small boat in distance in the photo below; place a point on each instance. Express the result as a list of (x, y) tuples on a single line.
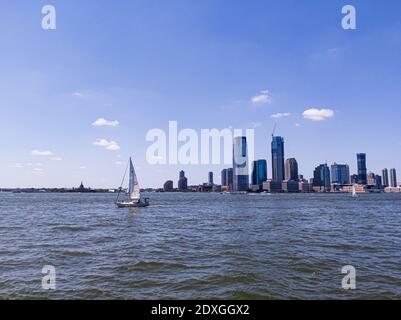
[(354, 195), (134, 191)]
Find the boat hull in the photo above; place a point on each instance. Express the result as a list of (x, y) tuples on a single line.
[(132, 204)]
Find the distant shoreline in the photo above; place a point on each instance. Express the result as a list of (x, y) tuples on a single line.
[(114, 191)]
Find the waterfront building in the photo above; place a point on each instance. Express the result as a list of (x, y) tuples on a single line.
[(216, 188), (393, 178), (385, 178), (291, 169), (362, 170), (259, 172), (290, 186), (272, 186), (277, 149), (340, 174), (211, 178), (240, 164), (371, 178), (321, 178), (168, 186), (230, 179), (224, 178), (359, 188), (182, 182), (379, 182), (354, 178), (82, 189), (393, 190), (304, 186)]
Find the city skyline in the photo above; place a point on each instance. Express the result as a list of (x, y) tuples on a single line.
[(286, 176), (83, 100)]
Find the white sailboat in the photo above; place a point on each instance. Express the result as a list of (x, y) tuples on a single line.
[(354, 192), (134, 191)]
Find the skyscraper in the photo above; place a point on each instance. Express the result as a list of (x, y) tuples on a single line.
[(230, 179), (211, 179), (182, 182), (371, 179), (259, 172), (393, 178), (379, 182), (340, 174), (321, 177), (362, 171), (224, 177), (385, 178), (291, 170), (240, 164), (277, 159)]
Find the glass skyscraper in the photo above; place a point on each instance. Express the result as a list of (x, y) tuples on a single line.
[(240, 164), (277, 159), (362, 170), (321, 177), (224, 177), (340, 174), (259, 172), (211, 182), (393, 178), (291, 170), (385, 178), (230, 179)]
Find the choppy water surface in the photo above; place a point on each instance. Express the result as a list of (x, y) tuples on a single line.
[(200, 246)]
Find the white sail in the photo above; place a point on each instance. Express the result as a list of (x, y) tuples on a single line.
[(134, 190), (353, 191)]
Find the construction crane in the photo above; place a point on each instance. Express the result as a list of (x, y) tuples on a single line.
[(274, 129)]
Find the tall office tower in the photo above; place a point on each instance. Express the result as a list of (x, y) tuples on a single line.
[(371, 179), (277, 159), (240, 164), (211, 182), (224, 177), (259, 172), (393, 178), (230, 179), (321, 177), (385, 178), (379, 182), (340, 174), (362, 171), (291, 169), (182, 182)]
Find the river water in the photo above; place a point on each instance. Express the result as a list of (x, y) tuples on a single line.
[(200, 246)]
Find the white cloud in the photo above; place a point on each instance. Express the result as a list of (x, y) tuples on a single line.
[(108, 145), (280, 115), (103, 122), (41, 153), (35, 164), (119, 163), (37, 170), (77, 94), (263, 98), (56, 159), (318, 114)]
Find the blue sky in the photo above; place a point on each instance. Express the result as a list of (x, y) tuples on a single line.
[(143, 63)]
